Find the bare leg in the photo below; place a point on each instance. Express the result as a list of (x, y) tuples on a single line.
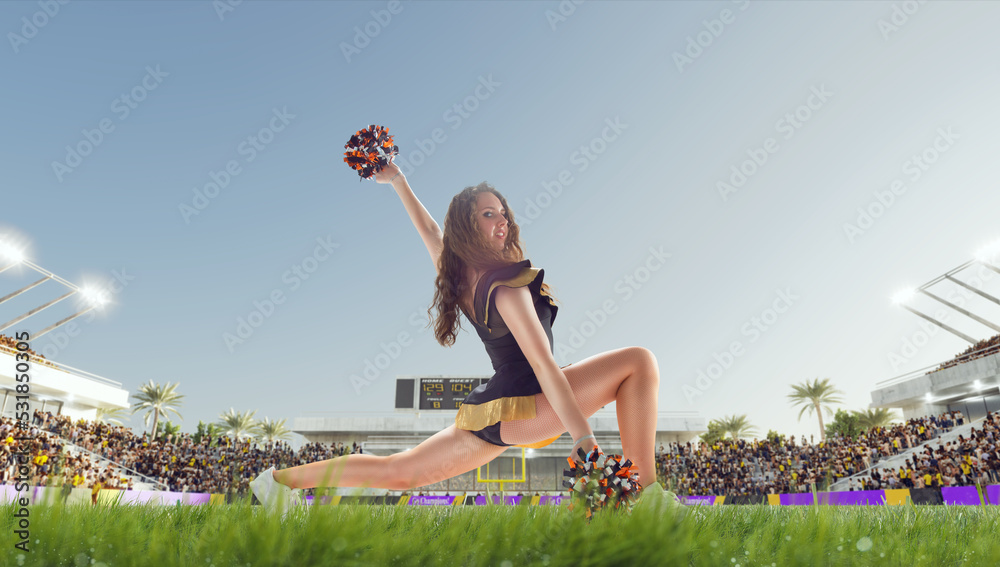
[(444, 455), (629, 376)]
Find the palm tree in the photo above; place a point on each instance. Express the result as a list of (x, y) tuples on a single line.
[(737, 426), (155, 398), (167, 429), (267, 430), (878, 417), (815, 397), (713, 434), (237, 423), (110, 415)]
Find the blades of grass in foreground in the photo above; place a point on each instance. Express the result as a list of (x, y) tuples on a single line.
[(240, 534)]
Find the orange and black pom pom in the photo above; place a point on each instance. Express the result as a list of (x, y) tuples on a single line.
[(369, 150), (598, 481)]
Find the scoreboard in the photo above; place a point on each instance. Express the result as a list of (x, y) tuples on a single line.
[(438, 393)]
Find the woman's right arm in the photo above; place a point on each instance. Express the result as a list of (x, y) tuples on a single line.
[(517, 309), (428, 229)]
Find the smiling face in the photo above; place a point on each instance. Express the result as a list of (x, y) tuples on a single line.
[(491, 219)]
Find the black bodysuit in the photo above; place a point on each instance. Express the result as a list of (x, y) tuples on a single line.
[(510, 393)]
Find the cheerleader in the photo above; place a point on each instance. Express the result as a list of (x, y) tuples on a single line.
[(530, 401)]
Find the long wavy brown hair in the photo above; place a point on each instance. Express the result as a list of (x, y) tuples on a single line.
[(465, 246)]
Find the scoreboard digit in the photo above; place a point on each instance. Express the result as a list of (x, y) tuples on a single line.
[(445, 393)]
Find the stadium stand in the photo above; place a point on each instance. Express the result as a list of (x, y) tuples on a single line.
[(741, 467), (107, 454), (87, 454), (985, 347)]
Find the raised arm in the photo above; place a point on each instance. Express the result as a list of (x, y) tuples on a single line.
[(518, 312), (428, 229)]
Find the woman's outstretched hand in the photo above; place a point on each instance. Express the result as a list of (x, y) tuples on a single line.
[(388, 172)]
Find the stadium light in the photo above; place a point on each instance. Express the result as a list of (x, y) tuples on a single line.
[(12, 254), (929, 397), (986, 253), (977, 385), (94, 296), (904, 296)]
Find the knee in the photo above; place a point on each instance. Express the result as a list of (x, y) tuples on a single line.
[(395, 464), (645, 362), (403, 472)]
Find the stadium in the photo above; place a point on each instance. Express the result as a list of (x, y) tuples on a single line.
[(673, 313)]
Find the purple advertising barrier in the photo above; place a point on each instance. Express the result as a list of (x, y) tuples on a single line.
[(7, 493), (698, 499), (510, 500), (198, 498), (45, 494), (960, 495), (324, 500), (431, 500), (853, 498), (557, 499), (141, 497), (164, 498), (798, 499), (993, 494)]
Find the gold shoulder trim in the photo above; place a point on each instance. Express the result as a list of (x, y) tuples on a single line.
[(523, 278), (474, 417)]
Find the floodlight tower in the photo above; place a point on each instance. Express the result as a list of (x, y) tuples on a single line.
[(983, 256), (14, 256)]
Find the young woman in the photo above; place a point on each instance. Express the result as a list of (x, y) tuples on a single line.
[(530, 401)]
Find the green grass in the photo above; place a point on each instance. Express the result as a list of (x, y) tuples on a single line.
[(239, 535)]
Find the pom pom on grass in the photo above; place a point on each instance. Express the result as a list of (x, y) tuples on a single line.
[(599, 482), (369, 150)]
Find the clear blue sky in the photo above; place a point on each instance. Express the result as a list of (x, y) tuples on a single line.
[(838, 96)]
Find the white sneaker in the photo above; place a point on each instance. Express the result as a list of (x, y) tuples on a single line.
[(273, 495), (653, 496)]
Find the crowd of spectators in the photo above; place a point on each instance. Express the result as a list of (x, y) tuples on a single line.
[(49, 465), (983, 348), (222, 464), (214, 465), (11, 348), (782, 465), (966, 461)]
